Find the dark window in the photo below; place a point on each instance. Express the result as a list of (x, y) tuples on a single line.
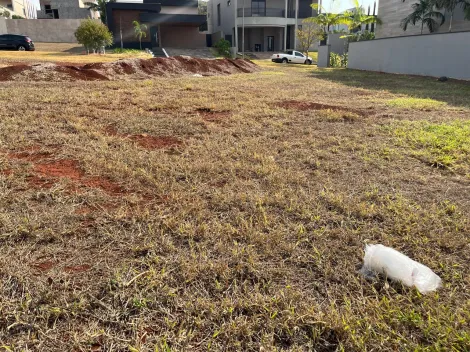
[(258, 8), (299, 55), (218, 14), (228, 37), (290, 52), (56, 13)]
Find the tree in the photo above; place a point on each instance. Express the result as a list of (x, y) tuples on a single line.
[(310, 33), (358, 17), (424, 12), (451, 5), (140, 31), (326, 19), (93, 35), (99, 6)]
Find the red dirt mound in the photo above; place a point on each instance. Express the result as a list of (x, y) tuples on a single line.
[(127, 69), (146, 141)]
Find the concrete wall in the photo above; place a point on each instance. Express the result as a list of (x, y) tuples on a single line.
[(391, 12), (446, 54), (337, 44), (180, 10), (182, 37), (51, 31), (68, 9), (323, 56)]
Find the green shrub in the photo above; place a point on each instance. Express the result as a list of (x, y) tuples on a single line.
[(16, 17), (337, 60), (93, 35), (5, 14), (126, 51), (361, 36), (223, 47)]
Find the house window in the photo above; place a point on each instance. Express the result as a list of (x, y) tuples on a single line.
[(218, 14), (258, 7)]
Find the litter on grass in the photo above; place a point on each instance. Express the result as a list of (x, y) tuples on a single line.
[(379, 259)]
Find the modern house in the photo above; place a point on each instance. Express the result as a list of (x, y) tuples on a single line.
[(23, 8), (391, 12), (65, 9), (171, 23), (259, 25)]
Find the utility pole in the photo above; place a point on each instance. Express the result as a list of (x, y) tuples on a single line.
[(243, 30)]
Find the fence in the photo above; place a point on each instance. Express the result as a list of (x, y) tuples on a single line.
[(443, 54)]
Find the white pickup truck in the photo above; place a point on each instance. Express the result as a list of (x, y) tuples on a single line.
[(292, 57)]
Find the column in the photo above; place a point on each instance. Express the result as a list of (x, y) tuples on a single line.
[(296, 26), (236, 27), (285, 38)]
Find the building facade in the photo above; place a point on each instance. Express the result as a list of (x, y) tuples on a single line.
[(392, 12), (23, 8), (170, 23), (259, 25), (65, 9)]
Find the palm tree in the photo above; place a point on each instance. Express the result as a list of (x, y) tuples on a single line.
[(140, 31), (327, 19), (424, 12), (357, 17), (451, 5), (99, 6)]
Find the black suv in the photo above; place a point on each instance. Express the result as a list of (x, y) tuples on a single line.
[(17, 42)]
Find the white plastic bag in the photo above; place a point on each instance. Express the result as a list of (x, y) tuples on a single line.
[(399, 267)]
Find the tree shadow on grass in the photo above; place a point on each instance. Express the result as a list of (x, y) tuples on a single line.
[(453, 92)]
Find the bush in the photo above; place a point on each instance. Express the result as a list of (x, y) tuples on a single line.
[(337, 60), (361, 36), (127, 51), (16, 17), (5, 14), (93, 35), (223, 47)]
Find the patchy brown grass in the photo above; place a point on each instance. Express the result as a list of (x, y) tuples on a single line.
[(170, 233)]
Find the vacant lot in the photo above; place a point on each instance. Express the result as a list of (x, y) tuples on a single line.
[(230, 213), (60, 53)]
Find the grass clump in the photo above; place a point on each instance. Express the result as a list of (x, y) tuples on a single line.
[(127, 51), (415, 103), (443, 145)]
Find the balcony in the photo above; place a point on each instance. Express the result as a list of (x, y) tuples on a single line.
[(269, 12)]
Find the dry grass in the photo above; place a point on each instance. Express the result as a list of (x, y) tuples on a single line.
[(59, 52), (246, 232)]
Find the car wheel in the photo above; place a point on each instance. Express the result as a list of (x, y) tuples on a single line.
[(308, 62), (21, 48), (284, 61)]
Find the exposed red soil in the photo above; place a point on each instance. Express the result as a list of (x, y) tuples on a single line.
[(212, 115), (47, 170), (60, 168), (103, 183), (146, 141), (305, 105), (77, 268), (44, 266), (126, 69), (6, 172)]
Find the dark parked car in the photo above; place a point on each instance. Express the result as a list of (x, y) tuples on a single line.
[(16, 42)]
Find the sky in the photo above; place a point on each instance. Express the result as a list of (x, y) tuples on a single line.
[(341, 5)]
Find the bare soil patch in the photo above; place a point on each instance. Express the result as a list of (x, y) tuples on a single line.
[(213, 115), (146, 141), (47, 170), (126, 69), (305, 105)]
